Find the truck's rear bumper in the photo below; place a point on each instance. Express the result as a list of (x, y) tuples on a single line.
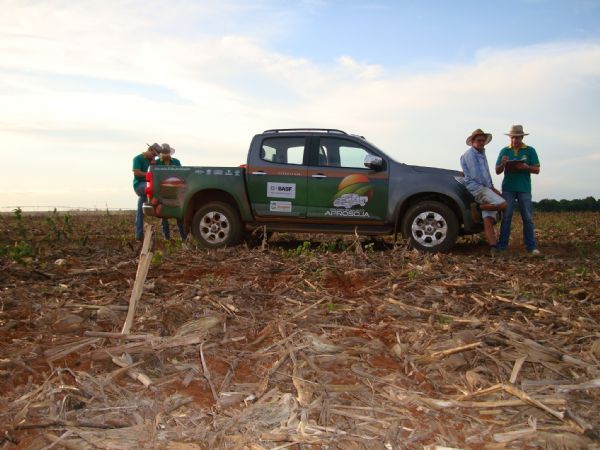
[(148, 210)]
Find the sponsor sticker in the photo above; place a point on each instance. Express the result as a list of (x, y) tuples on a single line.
[(281, 190), (353, 190), (349, 200), (284, 207)]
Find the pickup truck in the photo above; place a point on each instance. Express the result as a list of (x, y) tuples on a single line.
[(318, 181)]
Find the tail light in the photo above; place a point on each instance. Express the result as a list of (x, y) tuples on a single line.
[(149, 187)]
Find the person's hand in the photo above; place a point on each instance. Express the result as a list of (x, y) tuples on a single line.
[(504, 159), (523, 167)]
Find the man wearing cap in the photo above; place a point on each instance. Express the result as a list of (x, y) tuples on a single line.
[(141, 163), (518, 161), (478, 182), (166, 159)]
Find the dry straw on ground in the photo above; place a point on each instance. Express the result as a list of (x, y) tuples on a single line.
[(286, 345)]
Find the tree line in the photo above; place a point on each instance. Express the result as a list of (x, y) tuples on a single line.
[(580, 204)]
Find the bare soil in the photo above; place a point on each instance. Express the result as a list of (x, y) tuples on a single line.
[(305, 342)]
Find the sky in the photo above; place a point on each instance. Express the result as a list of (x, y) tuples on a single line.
[(85, 85)]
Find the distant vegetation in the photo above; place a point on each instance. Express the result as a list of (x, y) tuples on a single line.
[(583, 204)]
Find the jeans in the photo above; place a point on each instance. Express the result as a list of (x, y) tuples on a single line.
[(524, 199), (167, 232), (140, 190)]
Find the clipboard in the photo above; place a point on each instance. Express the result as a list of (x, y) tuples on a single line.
[(511, 165)]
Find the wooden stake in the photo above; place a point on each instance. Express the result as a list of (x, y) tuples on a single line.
[(140, 277)]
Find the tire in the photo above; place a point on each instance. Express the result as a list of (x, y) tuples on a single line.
[(430, 226), (217, 224)]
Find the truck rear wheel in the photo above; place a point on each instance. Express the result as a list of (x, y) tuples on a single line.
[(217, 224), (430, 226)]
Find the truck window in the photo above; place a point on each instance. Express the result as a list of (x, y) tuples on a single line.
[(283, 150), (341, 153)]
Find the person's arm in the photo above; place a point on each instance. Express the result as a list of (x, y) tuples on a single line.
[(534, 162), (137, 168), (467, 163), (501, 162)]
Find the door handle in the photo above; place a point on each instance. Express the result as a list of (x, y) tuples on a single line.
[(259, 173), (319, 175)]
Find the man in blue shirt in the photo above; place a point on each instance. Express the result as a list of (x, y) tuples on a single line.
[(478, 182)]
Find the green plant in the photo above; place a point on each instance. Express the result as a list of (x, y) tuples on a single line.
[(55, 232), (413, 274), (302, 249), (444, 320), (67, 224), (20, 225), (20, 252), (157, 258), (332, 246), (212, 280), (22, 249)]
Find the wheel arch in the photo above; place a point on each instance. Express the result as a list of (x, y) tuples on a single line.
[(408, 202), (203, 197)]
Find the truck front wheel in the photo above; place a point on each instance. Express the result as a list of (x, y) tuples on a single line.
[(430, 226), (217, 224)]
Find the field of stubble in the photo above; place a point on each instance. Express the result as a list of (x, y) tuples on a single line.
[(307, 342)]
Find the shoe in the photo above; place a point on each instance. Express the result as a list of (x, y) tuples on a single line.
[(475, 213), (535, 252), (493, 251)]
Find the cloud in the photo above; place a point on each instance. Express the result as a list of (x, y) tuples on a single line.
[(85, 85)]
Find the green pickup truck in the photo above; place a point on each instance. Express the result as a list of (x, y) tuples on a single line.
[(314, 180)]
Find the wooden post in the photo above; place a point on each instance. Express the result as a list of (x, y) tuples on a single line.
[(140, 277)]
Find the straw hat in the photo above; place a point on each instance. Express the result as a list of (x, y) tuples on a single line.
[(167, 150), (516, 130), (156, 147), (479, 132)]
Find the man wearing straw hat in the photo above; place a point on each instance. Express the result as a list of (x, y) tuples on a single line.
[(165, 158), (478, 182), (518, 161), (141, 163)]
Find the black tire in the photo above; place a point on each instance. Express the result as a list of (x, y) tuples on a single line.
[(430, 226), (217, 224)]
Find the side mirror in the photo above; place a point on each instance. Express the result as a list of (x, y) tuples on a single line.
[(373, 162)]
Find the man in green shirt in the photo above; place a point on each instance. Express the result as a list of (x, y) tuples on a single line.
[(518, 161), (141, 163), (166, 159)]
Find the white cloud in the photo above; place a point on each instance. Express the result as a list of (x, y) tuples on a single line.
[(83, 86)]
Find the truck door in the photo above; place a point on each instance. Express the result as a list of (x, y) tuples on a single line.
[(340, 187), (277, 177)]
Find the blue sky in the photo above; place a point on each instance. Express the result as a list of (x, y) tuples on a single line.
[(84, 85), (421, 34)]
